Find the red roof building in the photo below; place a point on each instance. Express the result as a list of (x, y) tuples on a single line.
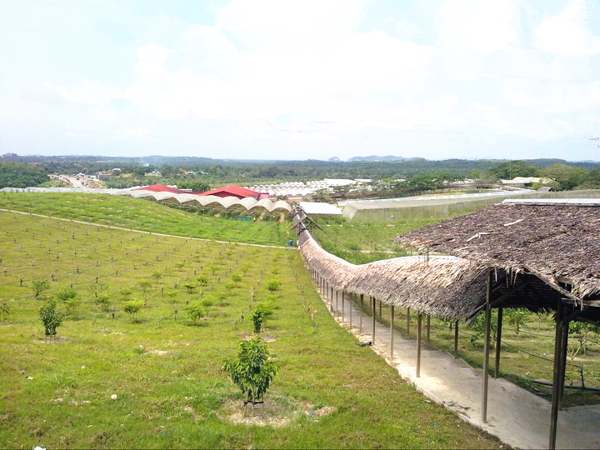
[(233, 190), (161, 188)]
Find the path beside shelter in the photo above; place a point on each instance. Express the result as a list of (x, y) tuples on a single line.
[(515, 416)]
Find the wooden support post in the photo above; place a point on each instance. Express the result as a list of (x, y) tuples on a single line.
[(392, 333), (380, 315), (428, 328), (563, 360), (556, 381), (343, 306), (337, 302), (456, 338), (373, 303), (498, 342), (486, 350), (350, 309), (408, 321), (419, 323), (360, 316)]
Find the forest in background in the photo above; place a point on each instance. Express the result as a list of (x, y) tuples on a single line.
[(401, 175)]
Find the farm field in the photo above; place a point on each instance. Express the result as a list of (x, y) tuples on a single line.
[(155, 378), (360, 241), (145, 215)]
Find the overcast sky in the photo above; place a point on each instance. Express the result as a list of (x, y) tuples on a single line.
[(301, 79)]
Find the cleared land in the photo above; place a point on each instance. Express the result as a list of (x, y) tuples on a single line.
[(166, 370), (146, 215)]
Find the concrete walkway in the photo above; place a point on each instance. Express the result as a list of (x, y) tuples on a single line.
[(517, 417)]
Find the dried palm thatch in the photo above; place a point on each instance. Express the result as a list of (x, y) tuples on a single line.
[(447, 287), (557, 242)]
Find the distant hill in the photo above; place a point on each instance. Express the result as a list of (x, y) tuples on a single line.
[(375, 158)]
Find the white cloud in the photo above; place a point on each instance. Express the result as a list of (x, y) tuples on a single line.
[(482, 26), (306, 76), (567, 33)]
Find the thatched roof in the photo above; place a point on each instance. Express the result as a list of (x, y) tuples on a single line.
[(557, 242), (448, 287)]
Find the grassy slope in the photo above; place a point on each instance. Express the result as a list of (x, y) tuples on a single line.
[(361, 241), (145, 215), (174, 399)]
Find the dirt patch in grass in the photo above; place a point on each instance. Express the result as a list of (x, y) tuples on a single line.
[(158, 352), (275, 411)]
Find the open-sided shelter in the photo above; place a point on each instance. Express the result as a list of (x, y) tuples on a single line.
[(541, 255)]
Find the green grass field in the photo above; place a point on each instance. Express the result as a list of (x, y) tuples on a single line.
[(361, 241), (145, 215), (165, 370)]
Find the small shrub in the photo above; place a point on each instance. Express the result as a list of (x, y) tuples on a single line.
[(4, 310), (144, 286), (103, 303), (132, 307), (50, 317), (257, 317), (252, 371), (156, 276), (274, 285), (68, 297), (517, 318), (190, 288), (583, 334), (267, 306), (39, 286), (196, 312), (207, 302), (236, 278), (202, 281)]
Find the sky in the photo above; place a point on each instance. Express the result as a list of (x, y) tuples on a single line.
[(279, 79)]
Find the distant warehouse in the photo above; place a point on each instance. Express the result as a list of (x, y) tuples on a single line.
[(320, 209)]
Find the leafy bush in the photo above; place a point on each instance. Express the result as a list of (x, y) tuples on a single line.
[(4, 310), (517, 318), (202, 281), (145, 285), (39, 286), (50, 317), (252, 371), (257, 317), (196, 311), (66, 295), (132, 307), (103, 302), (190, 288), (583, 334), (274, 285)]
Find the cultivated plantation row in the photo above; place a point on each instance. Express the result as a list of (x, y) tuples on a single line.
[(148, 323)]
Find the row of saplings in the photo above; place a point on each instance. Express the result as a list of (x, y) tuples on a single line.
[(252, 371)]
